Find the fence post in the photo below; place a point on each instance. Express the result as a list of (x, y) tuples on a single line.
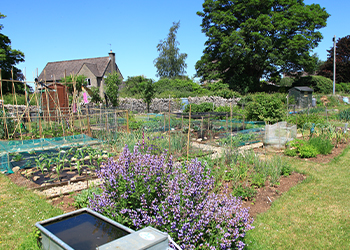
[(127, 121), (3, 109), (202, 128), (226, 122), (231, 123), (106, 121), (164, 121), (115, 120), (169, 124), (188, 135), (88, 121), (182, 122)]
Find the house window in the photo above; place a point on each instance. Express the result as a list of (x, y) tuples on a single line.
[(88, 82)]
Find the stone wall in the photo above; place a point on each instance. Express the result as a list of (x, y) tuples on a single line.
[(12, 109), (157, 105), (217, 100), (162, 104)]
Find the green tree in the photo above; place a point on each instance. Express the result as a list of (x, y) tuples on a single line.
[(319, 84), (148, 93), (133, 86), (265, 107), (170, 62), (251, 39), (8, 59), (79, 81), (318, 64), (95, 95), (113, 81), (342, 61)]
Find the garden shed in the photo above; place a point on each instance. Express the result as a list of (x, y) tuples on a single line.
[(301, 95), (54, 98)]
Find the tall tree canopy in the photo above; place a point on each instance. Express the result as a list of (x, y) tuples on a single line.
[(342, 59), (170, 62), (251, 39), (8, 59)]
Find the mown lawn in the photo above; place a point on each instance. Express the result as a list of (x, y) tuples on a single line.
[(313, 215), (20, 209)]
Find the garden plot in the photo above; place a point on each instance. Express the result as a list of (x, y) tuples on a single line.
[(57, 166), (14, 152)]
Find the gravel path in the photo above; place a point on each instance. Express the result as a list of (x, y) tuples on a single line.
[(66, 189)]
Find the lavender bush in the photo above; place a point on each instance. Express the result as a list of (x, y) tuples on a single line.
[(141, 189)]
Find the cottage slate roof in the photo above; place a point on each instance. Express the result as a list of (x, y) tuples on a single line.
[(93, 68), (56, 70)]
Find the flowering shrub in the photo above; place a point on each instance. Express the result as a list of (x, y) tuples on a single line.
[(151, 145), (141, 189)]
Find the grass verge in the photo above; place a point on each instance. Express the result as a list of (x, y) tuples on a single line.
[(313, 215), (20, 209)]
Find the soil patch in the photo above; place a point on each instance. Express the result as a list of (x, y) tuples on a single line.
[(64, 202), (51, 177), (266, 195), (21, 181)]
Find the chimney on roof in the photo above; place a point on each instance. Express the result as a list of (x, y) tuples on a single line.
[(112, 57)]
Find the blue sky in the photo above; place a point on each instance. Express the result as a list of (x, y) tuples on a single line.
[(49, 31)]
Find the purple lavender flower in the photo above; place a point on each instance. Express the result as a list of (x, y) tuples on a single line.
[(142, 189)]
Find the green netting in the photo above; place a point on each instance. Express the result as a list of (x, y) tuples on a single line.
[(243, 137), (30, 147)]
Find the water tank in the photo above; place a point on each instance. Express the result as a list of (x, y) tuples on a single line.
[(184, 103), (313, 102)]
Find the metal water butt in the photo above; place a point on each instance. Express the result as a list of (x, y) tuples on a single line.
[(85, 229), (313, 102)]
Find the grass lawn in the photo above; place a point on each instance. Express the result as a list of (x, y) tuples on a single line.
[(20, 209), (313, 215)]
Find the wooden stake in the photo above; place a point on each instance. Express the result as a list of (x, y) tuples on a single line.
[(164, 121), (88, 122), (243, 121), (38, 109), (231, 123), (3, 109), (70, 111), (226, 122), (59, 106), (182, 122), (76, 103), (107, 121), (127, 121), (18, 118), (47, 101), (188, 135), (115, 120), (202, 128), (169, 124), (27, 105)]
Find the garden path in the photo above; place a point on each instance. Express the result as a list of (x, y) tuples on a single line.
[(218, 151)]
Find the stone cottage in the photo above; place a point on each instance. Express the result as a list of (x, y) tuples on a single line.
[(95, 69)]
